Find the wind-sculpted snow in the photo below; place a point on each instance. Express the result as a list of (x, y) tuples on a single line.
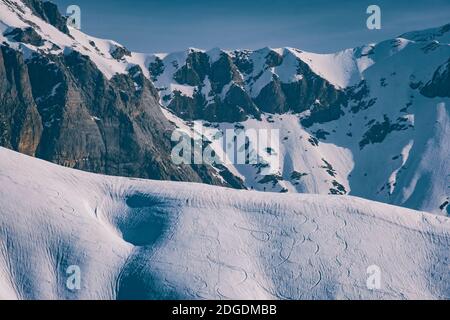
[(146, 239)]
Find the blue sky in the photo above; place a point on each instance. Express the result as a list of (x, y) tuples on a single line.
[(312, 25)]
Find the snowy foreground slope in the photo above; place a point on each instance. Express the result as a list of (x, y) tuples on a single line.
[(146, 239)]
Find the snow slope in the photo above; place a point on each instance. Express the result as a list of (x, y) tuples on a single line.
[(329, 157), (145, 239), (15, 14)]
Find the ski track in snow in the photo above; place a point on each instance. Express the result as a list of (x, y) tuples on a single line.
[(143, 239), (147, 239)]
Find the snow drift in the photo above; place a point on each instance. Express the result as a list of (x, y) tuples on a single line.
[(145, 239)]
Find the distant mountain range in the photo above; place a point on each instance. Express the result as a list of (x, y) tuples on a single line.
[(372, 121)]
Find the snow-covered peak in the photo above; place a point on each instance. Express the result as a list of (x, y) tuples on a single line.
[(440, 34), (17, 18), (339, 68)]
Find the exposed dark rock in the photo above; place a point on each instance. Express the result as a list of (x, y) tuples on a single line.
[(237, 105), (380, 130), (298, 96), (229, 99), (189, 108), (321, 134), (430, 46), (439, 86), (27, 35), (119, 53), (20, 123), (48, 12), (195, 70), (271, 98), (271, 179), (416, 85), (443, 205), (233, 181), (62, 109), (156, 68), (313, 140), (231, 106), (323, 113), (223, 71), (242, 61), (358, 97), (329, 168), (338, 189), (260, 166), (273, 59), (295, 175)]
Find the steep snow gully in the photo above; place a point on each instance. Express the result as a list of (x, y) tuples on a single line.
[(142, 239)]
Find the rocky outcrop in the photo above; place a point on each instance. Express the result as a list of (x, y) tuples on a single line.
[(27, 35), (439, 86), (195, 70), (232, 86), (224, 99), (20, 121), (119, 52), (62, 109), (48, 12)]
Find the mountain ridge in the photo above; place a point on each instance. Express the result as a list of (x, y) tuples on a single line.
[(391, 105), (62, 102), (365, 121)]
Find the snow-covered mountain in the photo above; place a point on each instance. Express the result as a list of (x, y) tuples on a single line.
[(372, 121), (83, 102), (135, 238)]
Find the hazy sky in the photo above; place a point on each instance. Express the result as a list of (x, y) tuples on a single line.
[(312, 25)]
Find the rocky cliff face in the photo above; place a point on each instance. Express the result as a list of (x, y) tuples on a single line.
[(60, 107), (439, 85), (20, 123), (225, 86), (48, 12)]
